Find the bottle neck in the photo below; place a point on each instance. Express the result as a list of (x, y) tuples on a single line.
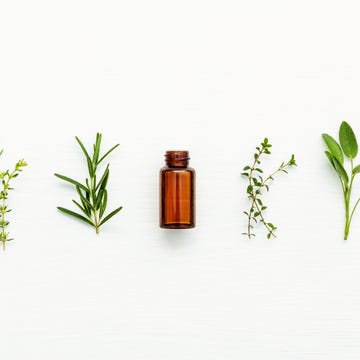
[(177, 159)]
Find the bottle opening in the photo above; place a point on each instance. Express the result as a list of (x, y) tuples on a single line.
[(177, 158)]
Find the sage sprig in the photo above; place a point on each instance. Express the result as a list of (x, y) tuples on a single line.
[(6, 177), (256, 185), (93, 195), (348, 148)]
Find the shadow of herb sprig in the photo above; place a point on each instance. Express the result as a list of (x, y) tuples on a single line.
[(6, 177), (93, 195), (256, 184)]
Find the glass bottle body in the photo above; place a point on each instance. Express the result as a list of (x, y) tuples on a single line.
[(177, 197)]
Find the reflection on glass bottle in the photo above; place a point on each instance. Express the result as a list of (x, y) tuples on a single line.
[(177, 192)]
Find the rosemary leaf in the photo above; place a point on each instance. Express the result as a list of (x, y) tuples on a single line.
[(93, 196)]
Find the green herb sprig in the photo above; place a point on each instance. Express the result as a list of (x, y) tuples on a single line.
[(348, 148), (6, 177), (93, 195), (256, 185)]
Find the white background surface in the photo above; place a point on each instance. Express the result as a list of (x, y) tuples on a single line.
[(213, 77)]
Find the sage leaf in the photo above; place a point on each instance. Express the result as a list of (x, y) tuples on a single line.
[(349, 147), (334, 148), (341, 171), (356, 170), (331, 158), (348, 140)]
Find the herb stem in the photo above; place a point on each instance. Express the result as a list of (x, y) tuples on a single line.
[(3, 236), (336, 154), (255, 195), (6, 185), (353, 211), (251, 172), (93, 195), (5, 180), (93, 198), (3, 211), (255, 185), (348, 191)]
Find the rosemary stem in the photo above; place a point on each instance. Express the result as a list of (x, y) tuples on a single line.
[(92, 192)]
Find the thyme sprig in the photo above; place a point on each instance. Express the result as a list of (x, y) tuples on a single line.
[(6, 177), (93, 194), (256, 185)]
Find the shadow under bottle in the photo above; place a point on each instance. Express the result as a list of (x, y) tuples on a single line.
[(177, 192)]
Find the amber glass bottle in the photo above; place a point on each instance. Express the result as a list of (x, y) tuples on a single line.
[(177, 192)]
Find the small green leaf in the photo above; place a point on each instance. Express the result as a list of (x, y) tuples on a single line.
[(103, 204), (99, 199), (80, 207), (112, 149), (97, 148), (74, 214), (82, 147), (348, 140), (334, 148), (104, 179), (108, 217), (256, 182), (331, 158), (90, 168), (84, 200), (356, 170), (255, 185), (72, 181), (341, 171)]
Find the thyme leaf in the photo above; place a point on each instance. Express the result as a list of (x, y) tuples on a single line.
[(6, 178), (257, 184)]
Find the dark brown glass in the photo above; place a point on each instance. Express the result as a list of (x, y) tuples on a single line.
[(177, 192)]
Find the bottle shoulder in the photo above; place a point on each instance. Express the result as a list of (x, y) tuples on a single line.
[(176, 169)]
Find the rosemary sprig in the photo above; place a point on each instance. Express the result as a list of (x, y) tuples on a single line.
[(92, 194), (348, 148), (6, 177), (256, 184)]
